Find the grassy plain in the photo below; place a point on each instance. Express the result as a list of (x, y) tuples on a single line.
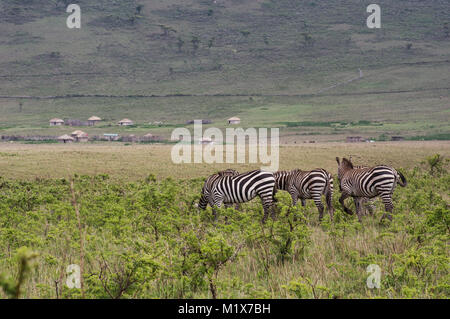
[(133, 162), (143, 238)]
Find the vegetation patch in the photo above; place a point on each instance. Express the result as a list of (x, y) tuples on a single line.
[(147, 239), (431, 137)]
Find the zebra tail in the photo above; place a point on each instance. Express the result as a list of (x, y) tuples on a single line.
[(275, 189), (328, 191), (403, 181)]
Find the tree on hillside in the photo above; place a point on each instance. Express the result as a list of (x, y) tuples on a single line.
[(180, 43), (245, 33), (139, 8), (308, 41), (166, 30), (211, 42), (195, 43)]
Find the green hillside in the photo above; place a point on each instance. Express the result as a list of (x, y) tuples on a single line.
[(272, 63)]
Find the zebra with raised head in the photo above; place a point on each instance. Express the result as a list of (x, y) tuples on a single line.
[(368, 182), (308, 185), (231, 189)]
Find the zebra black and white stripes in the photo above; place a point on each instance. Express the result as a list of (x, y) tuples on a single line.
[(229, 189), (308, 185), (368, 182), (363, 204), (228, 172)]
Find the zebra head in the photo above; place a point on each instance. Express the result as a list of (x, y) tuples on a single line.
[(203, 202), (343, 166)]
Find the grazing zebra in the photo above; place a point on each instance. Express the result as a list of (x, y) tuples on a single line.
[(308, 185), (368, 182), (226, 172), (240, 188)]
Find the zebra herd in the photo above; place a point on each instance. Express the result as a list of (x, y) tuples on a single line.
[(359, 182)]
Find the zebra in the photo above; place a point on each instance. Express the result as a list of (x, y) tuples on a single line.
[(308, 185), (240, 188), (368, 182), (365, 204)]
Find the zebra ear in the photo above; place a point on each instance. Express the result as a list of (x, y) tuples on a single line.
[(337, 160)]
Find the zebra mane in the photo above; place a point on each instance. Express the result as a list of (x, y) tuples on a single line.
[(280, 172), (228, 172)]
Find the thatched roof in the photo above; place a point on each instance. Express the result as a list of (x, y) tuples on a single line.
[(234, 119), (66, 137), (77, 133), (125, 121), (148, 135), (94, 118), (56, 120)]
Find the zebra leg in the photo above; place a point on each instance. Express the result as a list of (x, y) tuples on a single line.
[(214, 205), (329, 200), (370, 207), (318, 201), (342, 202), (294, 196), (271, 206), (388, 205), (227, 205), (303, 202), (268, 205), (266, 213), (236, 206), (358, 206)]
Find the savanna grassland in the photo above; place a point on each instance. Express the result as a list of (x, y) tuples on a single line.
[(127, 216), (135, 161)]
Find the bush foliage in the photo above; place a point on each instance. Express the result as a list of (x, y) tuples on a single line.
[(147, 239)]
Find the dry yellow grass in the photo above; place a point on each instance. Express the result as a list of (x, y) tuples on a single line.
[(132, 162)]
